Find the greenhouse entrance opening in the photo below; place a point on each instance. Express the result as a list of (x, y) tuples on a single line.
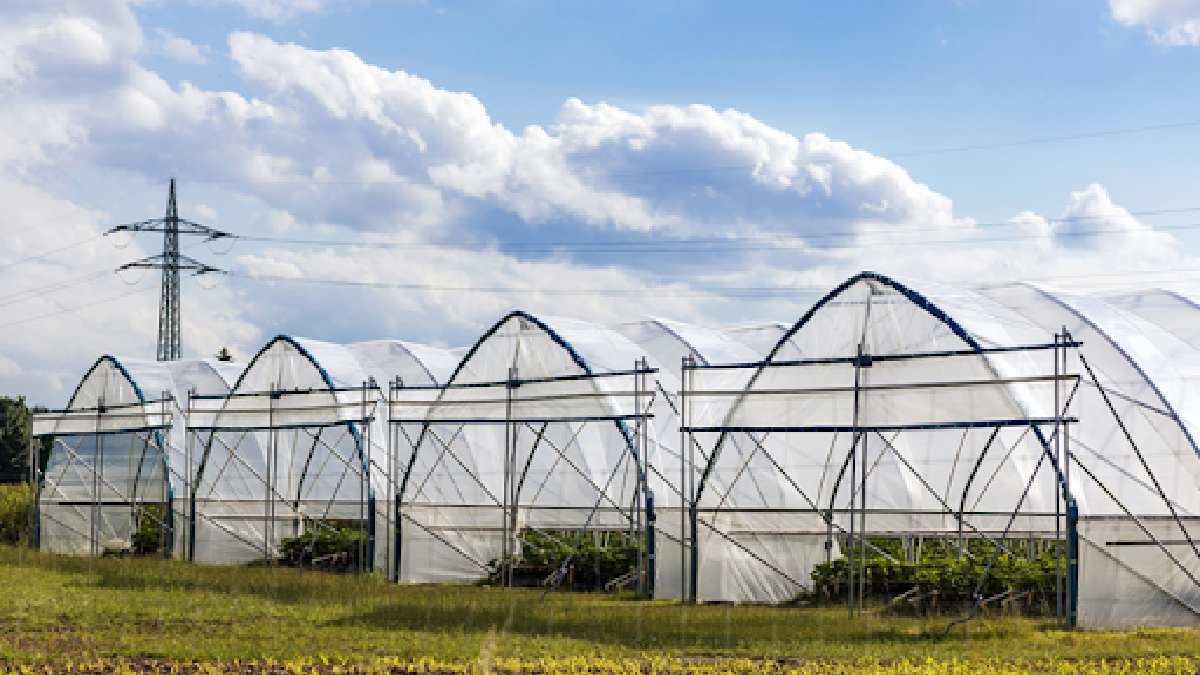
[(105, 488), (815, 468), (535, 480), (285, 477)]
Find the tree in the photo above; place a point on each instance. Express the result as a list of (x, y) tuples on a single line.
[(16, 423)]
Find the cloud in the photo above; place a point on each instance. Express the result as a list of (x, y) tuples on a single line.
[(316, 144), (181, 49), (59, 312), (280, 10), (1169, 22)]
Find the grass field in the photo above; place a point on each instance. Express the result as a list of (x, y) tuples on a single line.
[(114, 614)]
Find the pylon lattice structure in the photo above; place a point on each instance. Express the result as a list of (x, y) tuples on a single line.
[(171, 262)]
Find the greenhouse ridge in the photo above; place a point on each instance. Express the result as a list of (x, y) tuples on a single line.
[(736, 459)]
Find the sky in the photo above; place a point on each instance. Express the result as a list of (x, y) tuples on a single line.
[(413, 170)]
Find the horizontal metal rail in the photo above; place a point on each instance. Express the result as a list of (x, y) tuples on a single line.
[(850, 428), (819, 391), (877, 358)]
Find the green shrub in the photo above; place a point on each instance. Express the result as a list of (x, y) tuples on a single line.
[(16, 509), (941, 577), (596, 558), (151, 533), (331, 545)]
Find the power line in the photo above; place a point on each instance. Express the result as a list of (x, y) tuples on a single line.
[(46, 254), (30, 293), (78, 308), (700, 291), (733, 243), (1049, 139)]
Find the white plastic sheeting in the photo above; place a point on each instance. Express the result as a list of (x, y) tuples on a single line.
[(301, 443), (118, 446), (440, 440), (1139, 463), (536, 428)]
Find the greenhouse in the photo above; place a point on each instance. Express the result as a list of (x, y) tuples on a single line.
[(730, 464)]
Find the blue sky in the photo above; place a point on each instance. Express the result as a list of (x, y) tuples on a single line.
[(806, 139), (889, 77)]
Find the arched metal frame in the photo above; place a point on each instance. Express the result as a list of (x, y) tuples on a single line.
[(972, 345), (630, 445), (168, 518), (352, 427)]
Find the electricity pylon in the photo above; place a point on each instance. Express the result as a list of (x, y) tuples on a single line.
[(171, 262)]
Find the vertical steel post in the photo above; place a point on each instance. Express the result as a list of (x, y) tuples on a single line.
[(389, 506), (189, 543), (862, 495), (1059, 609), (639, 482), (362, 492), (684, 437), (693, 507), (1072, 506), (97, 463), (34, 488), (651, 569), (507, 550), (167, 526), (1072, 562), (269, 511)]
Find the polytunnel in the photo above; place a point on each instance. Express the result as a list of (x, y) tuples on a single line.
[(117, 463), (733, 460), (887, 411), (540, 429), (299, 447)]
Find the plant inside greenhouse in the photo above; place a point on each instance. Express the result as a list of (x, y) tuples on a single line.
[(586, 561), (943, 575)]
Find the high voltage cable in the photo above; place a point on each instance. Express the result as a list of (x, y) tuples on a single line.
[(729, 244), (45, 254), (30, 293), (726, 291), (85, 306), (713, 244), (1048, 139)]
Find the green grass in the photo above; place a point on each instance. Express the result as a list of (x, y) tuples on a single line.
[(60, 609)]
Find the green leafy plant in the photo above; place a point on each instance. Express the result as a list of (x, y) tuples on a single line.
[(16, 510), (329, 544), (151, 533), (941, 576), (593, 558)]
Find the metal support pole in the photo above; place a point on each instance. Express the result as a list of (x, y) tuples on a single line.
[(684, 437), (97, 464), (651, 568), (189, 545), (35, 491), (639, 480), (1072, 562), (1059, 608), (862, 493), (855, 495), (391, 499), (166, 534), (362, 478), (693, 507), (269, 510), (508, 548)]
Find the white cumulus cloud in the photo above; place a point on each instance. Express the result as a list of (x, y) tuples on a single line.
[(181, 49), (1169, 22)]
